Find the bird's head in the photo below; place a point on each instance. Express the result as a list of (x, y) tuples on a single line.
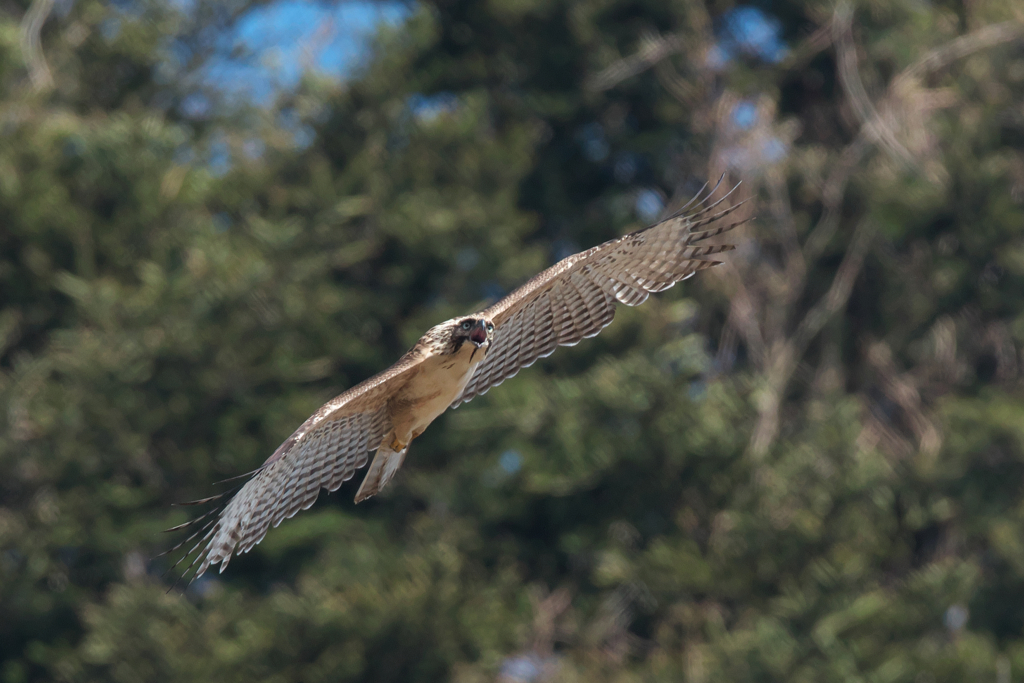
[(477, 331), (452, 334)]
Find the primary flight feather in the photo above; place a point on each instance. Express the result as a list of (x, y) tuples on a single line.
[(452, 363)]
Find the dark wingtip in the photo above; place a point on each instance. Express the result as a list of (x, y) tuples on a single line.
[(205, 525), (201, 501), (702, 201)]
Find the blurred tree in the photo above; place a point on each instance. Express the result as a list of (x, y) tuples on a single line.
[(809, 471)]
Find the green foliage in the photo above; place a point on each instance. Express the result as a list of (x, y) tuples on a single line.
[(804, 466)]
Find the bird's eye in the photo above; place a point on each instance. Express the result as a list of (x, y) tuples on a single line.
[(490, 327), (466, 324)]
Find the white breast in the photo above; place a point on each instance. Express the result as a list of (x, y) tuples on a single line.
[(439, 382)]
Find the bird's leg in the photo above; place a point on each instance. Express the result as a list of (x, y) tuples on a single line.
[(398, 446)]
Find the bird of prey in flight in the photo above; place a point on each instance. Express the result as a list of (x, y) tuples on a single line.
[(452, 363)]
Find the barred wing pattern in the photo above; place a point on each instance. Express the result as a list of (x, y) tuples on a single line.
[(575, 298), (324, 452)]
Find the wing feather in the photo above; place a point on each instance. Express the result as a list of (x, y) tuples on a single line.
[(576, 297), (600, 307), (571, 322), (322, 453), (546, 339)]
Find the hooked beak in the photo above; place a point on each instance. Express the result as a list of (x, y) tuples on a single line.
[(478, 335)]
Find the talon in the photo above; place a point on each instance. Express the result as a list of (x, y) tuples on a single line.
[(396, 445)]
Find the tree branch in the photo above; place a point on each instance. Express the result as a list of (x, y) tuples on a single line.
[(849, 77), (31, 44), (784, 356), (652, 50)]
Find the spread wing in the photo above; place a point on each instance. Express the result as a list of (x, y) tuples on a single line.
[(324, 452), (576, 297)]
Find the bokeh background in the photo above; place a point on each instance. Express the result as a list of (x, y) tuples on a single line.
[(803, 466)]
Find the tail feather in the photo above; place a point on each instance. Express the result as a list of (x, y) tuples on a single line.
[(384, 466)]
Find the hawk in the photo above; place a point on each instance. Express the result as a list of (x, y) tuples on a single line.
[(451, 364)]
